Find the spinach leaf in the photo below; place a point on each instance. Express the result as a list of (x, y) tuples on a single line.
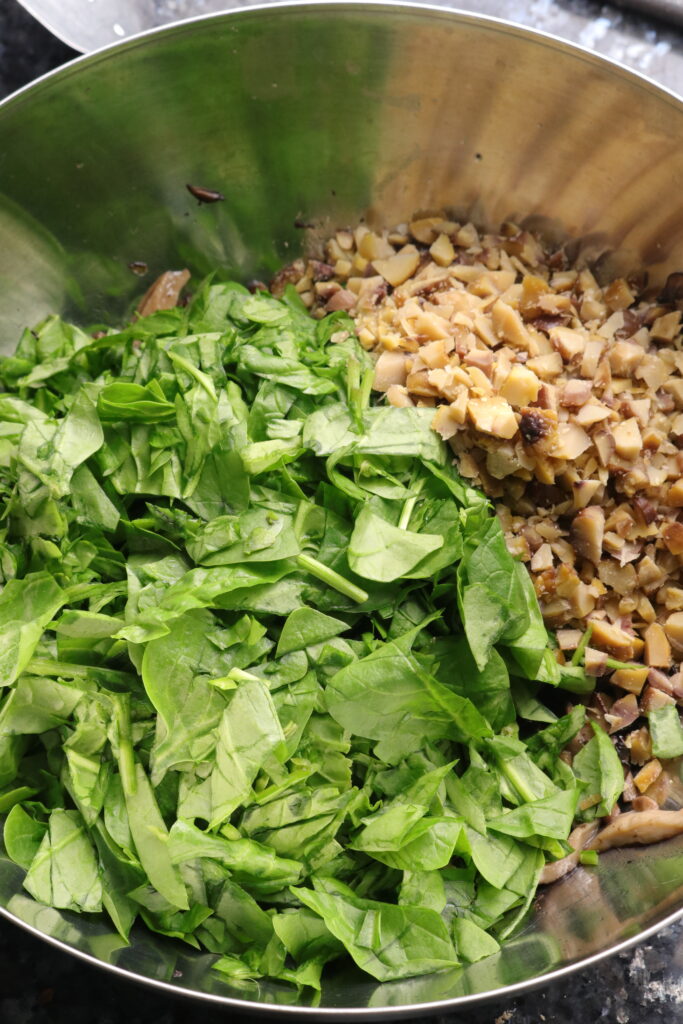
[(551, 816), (382, 552), (388, 696), (22, 835), (423, 889), (545, 746), (488, 688), (305, 627), (254, 866), (496, 857), (386, 941), (26, 607), (472, 943), (305, 936), (427, 846), (598, 768), (124, 401), (176, 670), (52, 450), (37, 704), (63, 872), (530, 648), (248, 732), (666, 732), (121, 874), (150, 838), (390, 826)]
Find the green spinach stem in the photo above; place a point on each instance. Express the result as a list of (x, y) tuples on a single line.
[(407, 512), (332, 578), (583, 644), (126, 757)]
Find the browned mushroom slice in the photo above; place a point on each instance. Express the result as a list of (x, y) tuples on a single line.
[(291, 274), (639, 828), (164, 293), (320, 271), (595, 662), (644, 803), (580, 838), (623, 713), (342, 299), (390, 369), (612, 638), (657, 647), (587, 533)]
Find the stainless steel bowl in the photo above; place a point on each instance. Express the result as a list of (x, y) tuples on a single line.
[(324, 114)]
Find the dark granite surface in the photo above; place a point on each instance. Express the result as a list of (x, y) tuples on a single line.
[(41, 985), (27, 50)]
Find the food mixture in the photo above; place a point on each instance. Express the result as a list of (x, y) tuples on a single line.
[(563, 400), (279, 682)]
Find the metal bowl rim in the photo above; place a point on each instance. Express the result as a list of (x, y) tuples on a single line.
[(452, 14), (540, 36)]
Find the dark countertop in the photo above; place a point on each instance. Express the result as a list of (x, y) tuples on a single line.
[(27, 50), (41, 985)]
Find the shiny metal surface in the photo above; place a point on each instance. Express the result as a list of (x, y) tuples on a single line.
[(329, 113), (595, 910)]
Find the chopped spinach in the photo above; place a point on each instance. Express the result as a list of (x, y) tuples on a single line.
[(263, 650)]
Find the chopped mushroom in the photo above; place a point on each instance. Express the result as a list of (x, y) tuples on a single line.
[(657, 647), (595, 662), (164, 293), (639, 828), (631, 679), (653, 699), (647, 775), (579, 839), (612, 639), (576, 393), (587, 533), (639, 743), (521, 387), (623, 713), (672, 534), (390, 369), (628, 441), (397, 269), (673, 628), (342, 299), (398, 396), (493, 416), (644, 803)]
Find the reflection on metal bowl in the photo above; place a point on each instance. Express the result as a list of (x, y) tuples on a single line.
[(324, 114)]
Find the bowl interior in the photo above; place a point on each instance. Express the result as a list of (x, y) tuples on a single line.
[(319, 114), (322, 115)]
